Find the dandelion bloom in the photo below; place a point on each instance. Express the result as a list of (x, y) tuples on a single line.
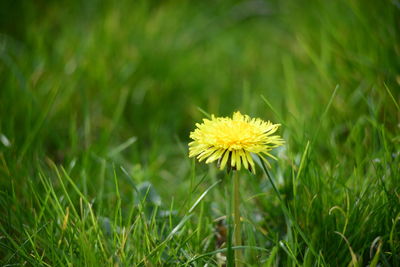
[(231, 141)]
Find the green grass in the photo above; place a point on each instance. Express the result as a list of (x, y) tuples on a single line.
[(97, 100)]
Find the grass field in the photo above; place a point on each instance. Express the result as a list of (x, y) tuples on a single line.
[(97, 100)]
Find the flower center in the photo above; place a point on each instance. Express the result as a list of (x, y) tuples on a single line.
[(234, 135)]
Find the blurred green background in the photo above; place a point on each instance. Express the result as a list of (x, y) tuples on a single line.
[(122, 82)]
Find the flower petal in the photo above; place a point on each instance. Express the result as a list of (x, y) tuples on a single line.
[(233, 158), (224, 159), (244, 159), (238, 161), (215, 156)]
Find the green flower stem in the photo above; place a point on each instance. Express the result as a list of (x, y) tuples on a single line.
[(237, 227), (229, 200)]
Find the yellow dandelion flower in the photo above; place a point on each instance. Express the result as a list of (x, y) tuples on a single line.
[(231, 141)]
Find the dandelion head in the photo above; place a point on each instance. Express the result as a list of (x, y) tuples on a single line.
[(231, 141)]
